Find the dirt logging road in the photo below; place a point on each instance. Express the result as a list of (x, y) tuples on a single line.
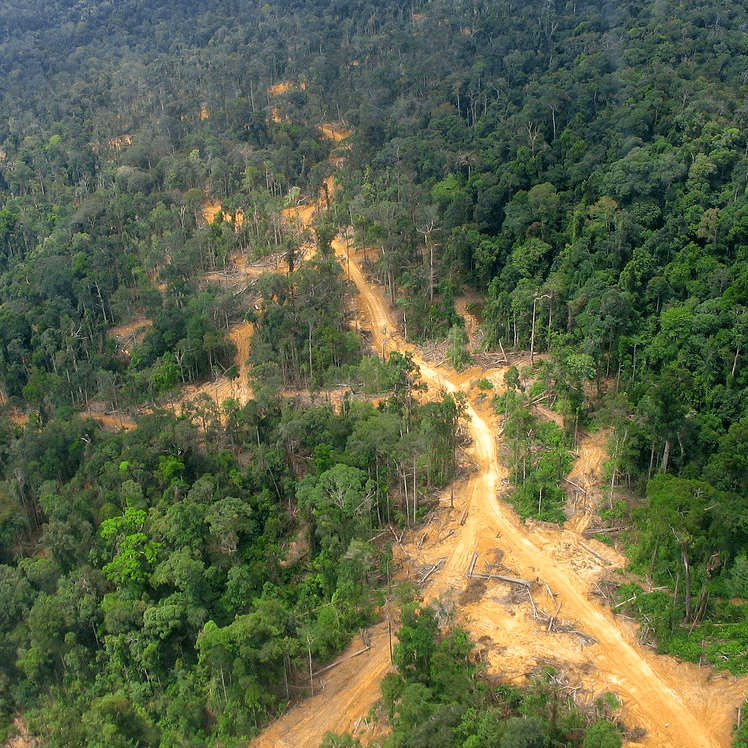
[(547, 616), (675, 705)]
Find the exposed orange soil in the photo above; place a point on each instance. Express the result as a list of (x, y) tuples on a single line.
[(212, 207), (300, 216), (585, 479), (592, 453), (557, 621), (222, 388), (11, 414), (20, 419), (343, 702), (334, 133), (240, 336), (111, 421), (128, 334), (210, 210), (472, 324), (22, 739), (117, 144), (281, 88)]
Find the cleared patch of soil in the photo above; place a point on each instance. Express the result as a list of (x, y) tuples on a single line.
[(212, 207), (676, 704), (334, 133), (111, 421), (283, 87), (342, 701), (130, 333), (22, 738), (117, 144)]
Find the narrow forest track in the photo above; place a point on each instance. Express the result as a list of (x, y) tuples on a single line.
[(554, 622), (348, 693)]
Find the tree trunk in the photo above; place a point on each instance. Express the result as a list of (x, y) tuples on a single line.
[(415, 488), (682, 453), (687, 581), (405, 489), (310, 352), (735, 361), (431, 276), (701, 607), (651, 460), (311, 677), (665, 457), (376, 483), (223, 683), (532, 334), (654, 560)]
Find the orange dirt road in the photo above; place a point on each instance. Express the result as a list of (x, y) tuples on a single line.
[(348, 693), (678, 706), (517, 631)]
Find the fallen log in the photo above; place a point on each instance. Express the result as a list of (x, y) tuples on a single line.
[(532, 602), (434, 568), (379, 535), (398, 540), (623, 602), (472, 565), (553, 618), (576, 485), (511, 580), (502, 352), (600, 592), (587, 638), (341, 661), (590, 531), (594, 553)]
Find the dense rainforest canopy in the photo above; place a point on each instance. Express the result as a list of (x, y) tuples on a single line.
[(582, 166)]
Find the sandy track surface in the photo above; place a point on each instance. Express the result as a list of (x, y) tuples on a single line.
[(348, 693)]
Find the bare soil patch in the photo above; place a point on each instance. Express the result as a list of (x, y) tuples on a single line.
[(22, 738), (128, 334), (281, 88)]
